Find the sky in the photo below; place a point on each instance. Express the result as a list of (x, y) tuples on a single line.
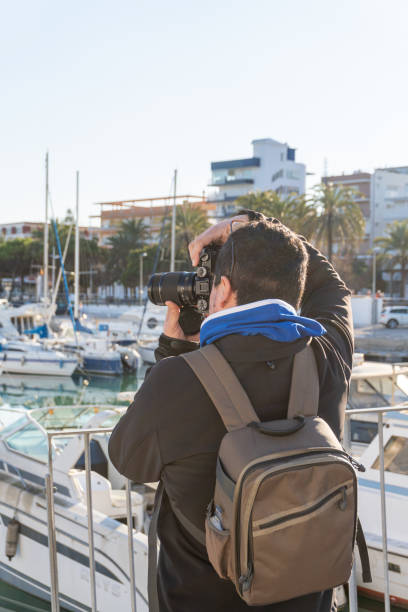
[(126, 91)]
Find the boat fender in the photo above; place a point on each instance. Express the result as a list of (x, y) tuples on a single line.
[(13, 529), (22, 361)]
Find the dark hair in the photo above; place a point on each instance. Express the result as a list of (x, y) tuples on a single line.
[(263, 259)]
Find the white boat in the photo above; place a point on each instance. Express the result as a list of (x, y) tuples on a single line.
[(23, 467), (146, 347), (29, 357), (374, 384), (96, 355), (396, 488)]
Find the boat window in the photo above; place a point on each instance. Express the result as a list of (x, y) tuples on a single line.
[(10, 420), (63, 417), (395, 456), (377, 391), (30, 441), (363, 431)]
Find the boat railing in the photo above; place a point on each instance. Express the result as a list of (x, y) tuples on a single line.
[(380, 412), (52, 534), (87, 435)]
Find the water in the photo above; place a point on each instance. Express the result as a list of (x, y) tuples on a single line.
[(39, 391)]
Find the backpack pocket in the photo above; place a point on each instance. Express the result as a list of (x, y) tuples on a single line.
[(218, 543), (310, 534)]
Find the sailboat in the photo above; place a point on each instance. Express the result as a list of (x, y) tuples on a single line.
[(96, 355)]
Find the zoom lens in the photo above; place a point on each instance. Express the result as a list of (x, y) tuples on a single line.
[(177, 287)]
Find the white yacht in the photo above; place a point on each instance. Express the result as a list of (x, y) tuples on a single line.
[(374, 384), (30, 357), (396, 488), (23, 467)]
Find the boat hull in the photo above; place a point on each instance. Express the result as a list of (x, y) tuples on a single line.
[(101, 365), (29, 570), (38, 366)]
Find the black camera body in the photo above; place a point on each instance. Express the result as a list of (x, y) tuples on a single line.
[(189, 290)]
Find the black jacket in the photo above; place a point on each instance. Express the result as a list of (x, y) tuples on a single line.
[(172, 431)]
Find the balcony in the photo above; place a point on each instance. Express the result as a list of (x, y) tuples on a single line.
[(231, 181), (252, 162), (219, 198)]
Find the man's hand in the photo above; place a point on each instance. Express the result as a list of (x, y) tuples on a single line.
[(215, 233), (172, 327)]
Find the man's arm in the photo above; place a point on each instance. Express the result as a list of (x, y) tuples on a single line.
[(134, 446)]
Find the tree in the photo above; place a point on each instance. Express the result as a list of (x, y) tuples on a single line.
[(395, 245), (190, 222), (132, 235), (17, 257), (339, 217), (293, 210)]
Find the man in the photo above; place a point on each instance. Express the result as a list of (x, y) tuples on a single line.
[(172, 431)]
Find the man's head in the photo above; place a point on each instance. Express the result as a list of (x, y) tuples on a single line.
[(260, 260)]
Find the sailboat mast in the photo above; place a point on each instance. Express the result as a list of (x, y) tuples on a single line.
[(45, 264), (76, 291), (173, 227)]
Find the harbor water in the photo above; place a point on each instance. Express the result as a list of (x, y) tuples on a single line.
[(41, 391)]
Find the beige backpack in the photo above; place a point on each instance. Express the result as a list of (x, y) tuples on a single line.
[(283, 521)]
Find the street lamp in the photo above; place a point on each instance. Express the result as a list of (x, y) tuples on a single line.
[(374, 287), (141, 277)]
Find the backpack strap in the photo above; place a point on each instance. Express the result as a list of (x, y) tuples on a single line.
[(363, 552), (222, 385), (304, 388)]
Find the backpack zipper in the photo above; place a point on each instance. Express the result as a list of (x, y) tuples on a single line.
[(319, 504), (244, 580)]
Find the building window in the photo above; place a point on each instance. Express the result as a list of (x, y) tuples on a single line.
[(291, 153), (14, 230), (277, 175), (292, 174)]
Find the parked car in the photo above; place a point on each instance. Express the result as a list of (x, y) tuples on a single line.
[(393, 316)]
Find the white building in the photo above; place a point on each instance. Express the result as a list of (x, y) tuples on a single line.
[(10, 231), (389, 198), (271, 167)]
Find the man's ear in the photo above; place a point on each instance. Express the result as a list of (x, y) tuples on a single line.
[(226, 293)]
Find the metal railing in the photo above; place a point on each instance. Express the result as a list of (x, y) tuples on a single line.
[(87, 434), (380, 411), (52, 533)]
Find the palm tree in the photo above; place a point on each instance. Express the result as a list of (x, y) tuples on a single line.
[(132, 235), (395, 245), (292, 210), (190, 222), (339, 217)]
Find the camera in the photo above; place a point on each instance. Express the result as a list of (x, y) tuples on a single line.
[(189, 290)]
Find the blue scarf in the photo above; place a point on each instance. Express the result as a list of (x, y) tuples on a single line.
[(274, 319)]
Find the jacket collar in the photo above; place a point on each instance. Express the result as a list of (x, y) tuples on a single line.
[(237, 348)]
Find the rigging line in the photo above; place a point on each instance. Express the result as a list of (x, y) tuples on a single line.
[(155, 264)]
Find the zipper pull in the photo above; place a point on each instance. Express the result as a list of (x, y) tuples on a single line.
[(343, 502), (245, 580), (358, 466)]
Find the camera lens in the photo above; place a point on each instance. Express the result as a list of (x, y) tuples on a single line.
[(177, 287)]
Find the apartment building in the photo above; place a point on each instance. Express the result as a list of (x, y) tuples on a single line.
[(25, 229), (382, 196), (272, 166)]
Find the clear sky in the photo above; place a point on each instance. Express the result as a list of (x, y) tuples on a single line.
[(127, 90)]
